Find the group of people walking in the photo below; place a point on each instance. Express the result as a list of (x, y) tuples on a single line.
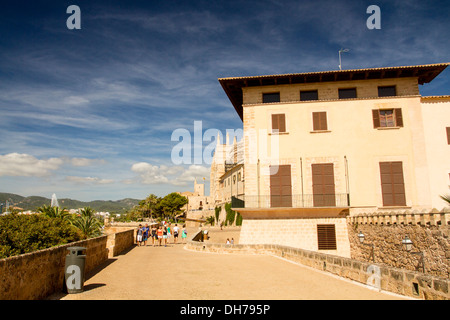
[(160, 234)]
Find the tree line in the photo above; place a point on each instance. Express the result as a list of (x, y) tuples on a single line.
[(158, 208)]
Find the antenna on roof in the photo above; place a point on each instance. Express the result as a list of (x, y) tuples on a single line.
[(340, 62)]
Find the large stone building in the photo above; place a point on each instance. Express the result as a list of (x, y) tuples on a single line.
[(199, 206), (323, 145), (227, 174)]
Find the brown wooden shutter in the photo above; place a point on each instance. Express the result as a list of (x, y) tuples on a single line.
[(398, 117), (323, 185), (320, 121), (326, 237), (279, 122), (448, 135), (376, 118), (392, 183), (282, 122), (280, 186), (275, 122)]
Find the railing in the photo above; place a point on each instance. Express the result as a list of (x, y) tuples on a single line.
[(291, 201)]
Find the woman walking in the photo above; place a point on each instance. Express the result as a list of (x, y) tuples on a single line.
[(160, 235), (183, 234)]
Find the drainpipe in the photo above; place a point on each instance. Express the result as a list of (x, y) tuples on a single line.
[(347, 184)]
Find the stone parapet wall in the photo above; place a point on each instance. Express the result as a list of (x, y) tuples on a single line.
[(432, 217), (429, 231), (36, 275), (408, 283)]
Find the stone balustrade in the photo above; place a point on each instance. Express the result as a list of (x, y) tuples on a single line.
[(432, 217)]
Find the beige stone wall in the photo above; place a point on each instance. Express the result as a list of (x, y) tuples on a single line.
[(352, 145), (296, 233), (429, 231), (329, 90), (436, 118), (36, 275)]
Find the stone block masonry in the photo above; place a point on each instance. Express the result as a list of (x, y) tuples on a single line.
[(428, 230), (36, 275)]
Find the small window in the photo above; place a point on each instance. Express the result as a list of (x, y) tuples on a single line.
[(326, 236), (347, 93), (385, 118), (278, 123), (448, 135), (388, 91), (271, 97), (319, 121), (309, 95)]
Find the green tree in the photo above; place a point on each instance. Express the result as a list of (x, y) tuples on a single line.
[(53, 212), (210, 220), (149, 205), (172, 203), (21, 234), (87, 223)]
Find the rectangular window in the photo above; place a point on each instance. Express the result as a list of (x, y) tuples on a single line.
[(319, 121), (309, 95), (448, 135), (386, 118), (271, 97), (388, 91), (280, 186), (347, 93), (323, 185), (392, 183), (326, 236), (278, 123)]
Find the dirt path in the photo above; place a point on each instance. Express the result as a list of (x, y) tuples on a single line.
[(174, 273)]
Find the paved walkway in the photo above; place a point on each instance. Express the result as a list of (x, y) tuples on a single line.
[(175, 273)]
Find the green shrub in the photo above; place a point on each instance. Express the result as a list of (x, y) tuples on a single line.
[(229, 220), (27, 233)]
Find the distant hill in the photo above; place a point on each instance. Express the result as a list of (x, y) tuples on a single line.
[(33, 202)]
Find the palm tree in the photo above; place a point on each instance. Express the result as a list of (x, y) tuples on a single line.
[(446, 198), (53, 212), (88, 224)]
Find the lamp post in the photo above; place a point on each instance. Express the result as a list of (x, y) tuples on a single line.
[(361, 237), (407, 245), (340, 61)]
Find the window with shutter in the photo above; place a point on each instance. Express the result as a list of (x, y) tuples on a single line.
[(280, 186), (392, 183), (278, 123), (320, 121), (387, 118), (448, 135), (326, 237), (323, 185)]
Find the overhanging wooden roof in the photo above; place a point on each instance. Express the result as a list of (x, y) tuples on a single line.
[(233, 86)]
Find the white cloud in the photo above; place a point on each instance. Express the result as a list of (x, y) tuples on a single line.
[(174, 175), (89, 180), (25, 165), (74, 100), (84, 162)]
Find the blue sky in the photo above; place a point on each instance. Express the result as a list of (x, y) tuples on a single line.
[(89, 114)]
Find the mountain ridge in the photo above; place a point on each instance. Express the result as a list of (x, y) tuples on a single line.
[(33, 202)]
